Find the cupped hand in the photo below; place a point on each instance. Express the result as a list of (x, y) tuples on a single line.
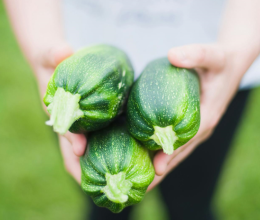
[(219, 81), (72, 145)]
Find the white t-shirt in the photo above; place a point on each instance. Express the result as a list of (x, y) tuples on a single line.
[(147, 29)]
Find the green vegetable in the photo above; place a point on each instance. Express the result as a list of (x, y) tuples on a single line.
[(87, 90), (116, 169), (163, 110)]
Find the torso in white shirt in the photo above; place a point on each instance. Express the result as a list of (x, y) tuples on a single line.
[(147, 29)]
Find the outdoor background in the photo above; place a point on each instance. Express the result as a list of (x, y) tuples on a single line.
[(33, 181)]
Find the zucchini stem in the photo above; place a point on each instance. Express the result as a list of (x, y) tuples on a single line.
[(117, 187), (165, 137), (64, 110)]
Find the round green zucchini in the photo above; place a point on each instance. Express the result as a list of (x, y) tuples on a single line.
[(116, 169), (88, 89), (163, 110)]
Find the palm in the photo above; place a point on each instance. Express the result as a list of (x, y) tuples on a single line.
[(218, 86), (72, 145)]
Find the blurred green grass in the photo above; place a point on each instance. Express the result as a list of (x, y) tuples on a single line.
[(34, 184)]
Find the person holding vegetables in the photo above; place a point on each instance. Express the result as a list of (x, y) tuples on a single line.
[(147, 30)]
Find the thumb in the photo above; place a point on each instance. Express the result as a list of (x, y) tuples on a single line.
[(161, 161), (56, 54), (208, 56)]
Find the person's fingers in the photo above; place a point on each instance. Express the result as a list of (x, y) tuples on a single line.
[(71, 161), (169, 162), (182, 155), (53, 56), (161, 160), (78, 142), (187, 149), (197, 55), (156, 181)]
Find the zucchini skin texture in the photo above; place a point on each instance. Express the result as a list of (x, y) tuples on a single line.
[(164, 95), (113, 150), (102, 75)]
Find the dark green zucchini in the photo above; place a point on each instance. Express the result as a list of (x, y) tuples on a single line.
[(116, 169), (87, 90), (163, 110)]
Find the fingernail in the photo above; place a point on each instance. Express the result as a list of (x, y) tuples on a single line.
[(179, 54), (161, 170), (164, 168), (182, 55)]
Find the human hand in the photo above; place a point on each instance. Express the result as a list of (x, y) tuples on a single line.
[(220, 76), (72, 145)]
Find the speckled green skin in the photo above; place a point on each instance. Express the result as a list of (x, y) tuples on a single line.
[(164, 95), (113, 150), (102, 76)]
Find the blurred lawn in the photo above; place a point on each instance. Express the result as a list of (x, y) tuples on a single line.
[(34, 184)]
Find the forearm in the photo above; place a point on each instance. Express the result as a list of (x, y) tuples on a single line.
[(37, 25), (240, 32)]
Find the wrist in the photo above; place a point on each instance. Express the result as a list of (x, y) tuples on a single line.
[(240, 56)]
